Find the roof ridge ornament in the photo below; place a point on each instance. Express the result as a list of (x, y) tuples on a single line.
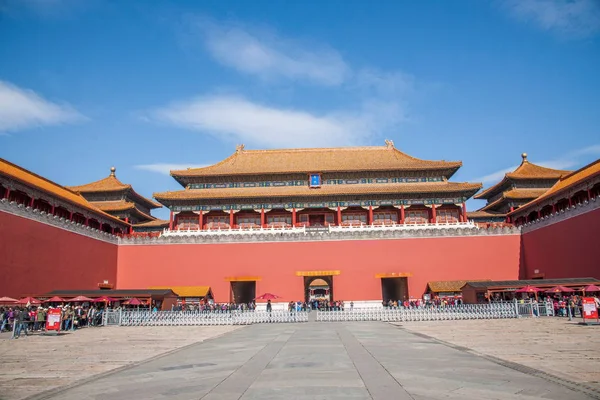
[(524, 157), (389, 143), (113, 170), (239, 148)]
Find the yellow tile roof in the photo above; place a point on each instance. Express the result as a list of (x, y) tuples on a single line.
[(566, 182), (31, 179), (515, 194), (485, 214), (371, 158), (117, 205), (151, 224), (449, 286), (186, 291), (112, 184), (325, 190), (526, 170)]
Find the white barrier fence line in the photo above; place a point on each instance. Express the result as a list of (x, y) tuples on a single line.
[(191, 318), (446, 313)]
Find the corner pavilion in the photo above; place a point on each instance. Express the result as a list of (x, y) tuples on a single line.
[(317, 187)]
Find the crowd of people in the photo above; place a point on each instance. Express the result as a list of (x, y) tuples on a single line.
[(28, 319)]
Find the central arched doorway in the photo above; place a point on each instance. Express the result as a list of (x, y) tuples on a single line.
[(318, 288)]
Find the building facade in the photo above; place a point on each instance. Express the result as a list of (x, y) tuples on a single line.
[(526, 183), (118, 199), (354, 186), (355, 224)]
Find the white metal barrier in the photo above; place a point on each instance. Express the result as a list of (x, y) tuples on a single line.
[(458, 312), (188, 318)]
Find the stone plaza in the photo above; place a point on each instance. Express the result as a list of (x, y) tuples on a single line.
[(547, 358)]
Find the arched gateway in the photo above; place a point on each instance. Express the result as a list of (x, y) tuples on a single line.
[(318, 288)]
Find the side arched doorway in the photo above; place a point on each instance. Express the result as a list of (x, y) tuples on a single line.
[(318, 288)]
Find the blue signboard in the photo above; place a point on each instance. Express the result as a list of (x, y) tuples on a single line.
[(315, 180)]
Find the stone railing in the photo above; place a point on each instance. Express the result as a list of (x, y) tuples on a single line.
[(570, 212), (53, 220), (302, 234)]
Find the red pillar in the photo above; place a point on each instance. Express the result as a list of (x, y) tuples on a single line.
[(231, 219), (570, 202), (370, 215), (464, 211), (200, 222), (87, 220), (71, 216), (339, 216), (589, 195), (433, 216), (293, 217), (52, 211), (539, 214), (171, 221), (7, 194), (262, 217), (553, 208), (31, 202), (402, 214)]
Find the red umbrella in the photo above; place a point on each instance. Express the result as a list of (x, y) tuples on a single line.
[(267, 296), (528, 289), (80, 299), (590, 288), (55, 299), (559, 289), (133, 302), (7, 300), (104, 299), (29, 300)]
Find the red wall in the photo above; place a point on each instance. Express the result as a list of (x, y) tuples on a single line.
[(36, 258), (567, 249), (434, 259)]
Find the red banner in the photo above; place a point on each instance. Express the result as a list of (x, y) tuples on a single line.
[(53, 320), (589, 308)]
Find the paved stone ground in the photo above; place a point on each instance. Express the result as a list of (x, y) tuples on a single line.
[(553, 345), (37, 363), (360, 360)]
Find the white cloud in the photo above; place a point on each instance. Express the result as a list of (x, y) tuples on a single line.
[(166, 168), (570, 160), (239, 120), (572, 17), (22, 109), (269, 56)]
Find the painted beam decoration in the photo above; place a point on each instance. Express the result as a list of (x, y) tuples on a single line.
[(315, 181), (332, 204)]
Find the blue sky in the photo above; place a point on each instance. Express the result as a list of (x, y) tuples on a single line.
[(87, 85)]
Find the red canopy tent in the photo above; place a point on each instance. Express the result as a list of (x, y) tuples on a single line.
[(80, 299), (560, 289), (7, 300), (591, 288), (29, 300), (134, 301), (104, 299), (55, 299), (528, 289), (267, 296)]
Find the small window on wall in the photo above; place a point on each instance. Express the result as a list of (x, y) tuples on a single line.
[(447, 215), (416, 217), (354, 218), (248, 220), (386, 216), (278, 219)]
